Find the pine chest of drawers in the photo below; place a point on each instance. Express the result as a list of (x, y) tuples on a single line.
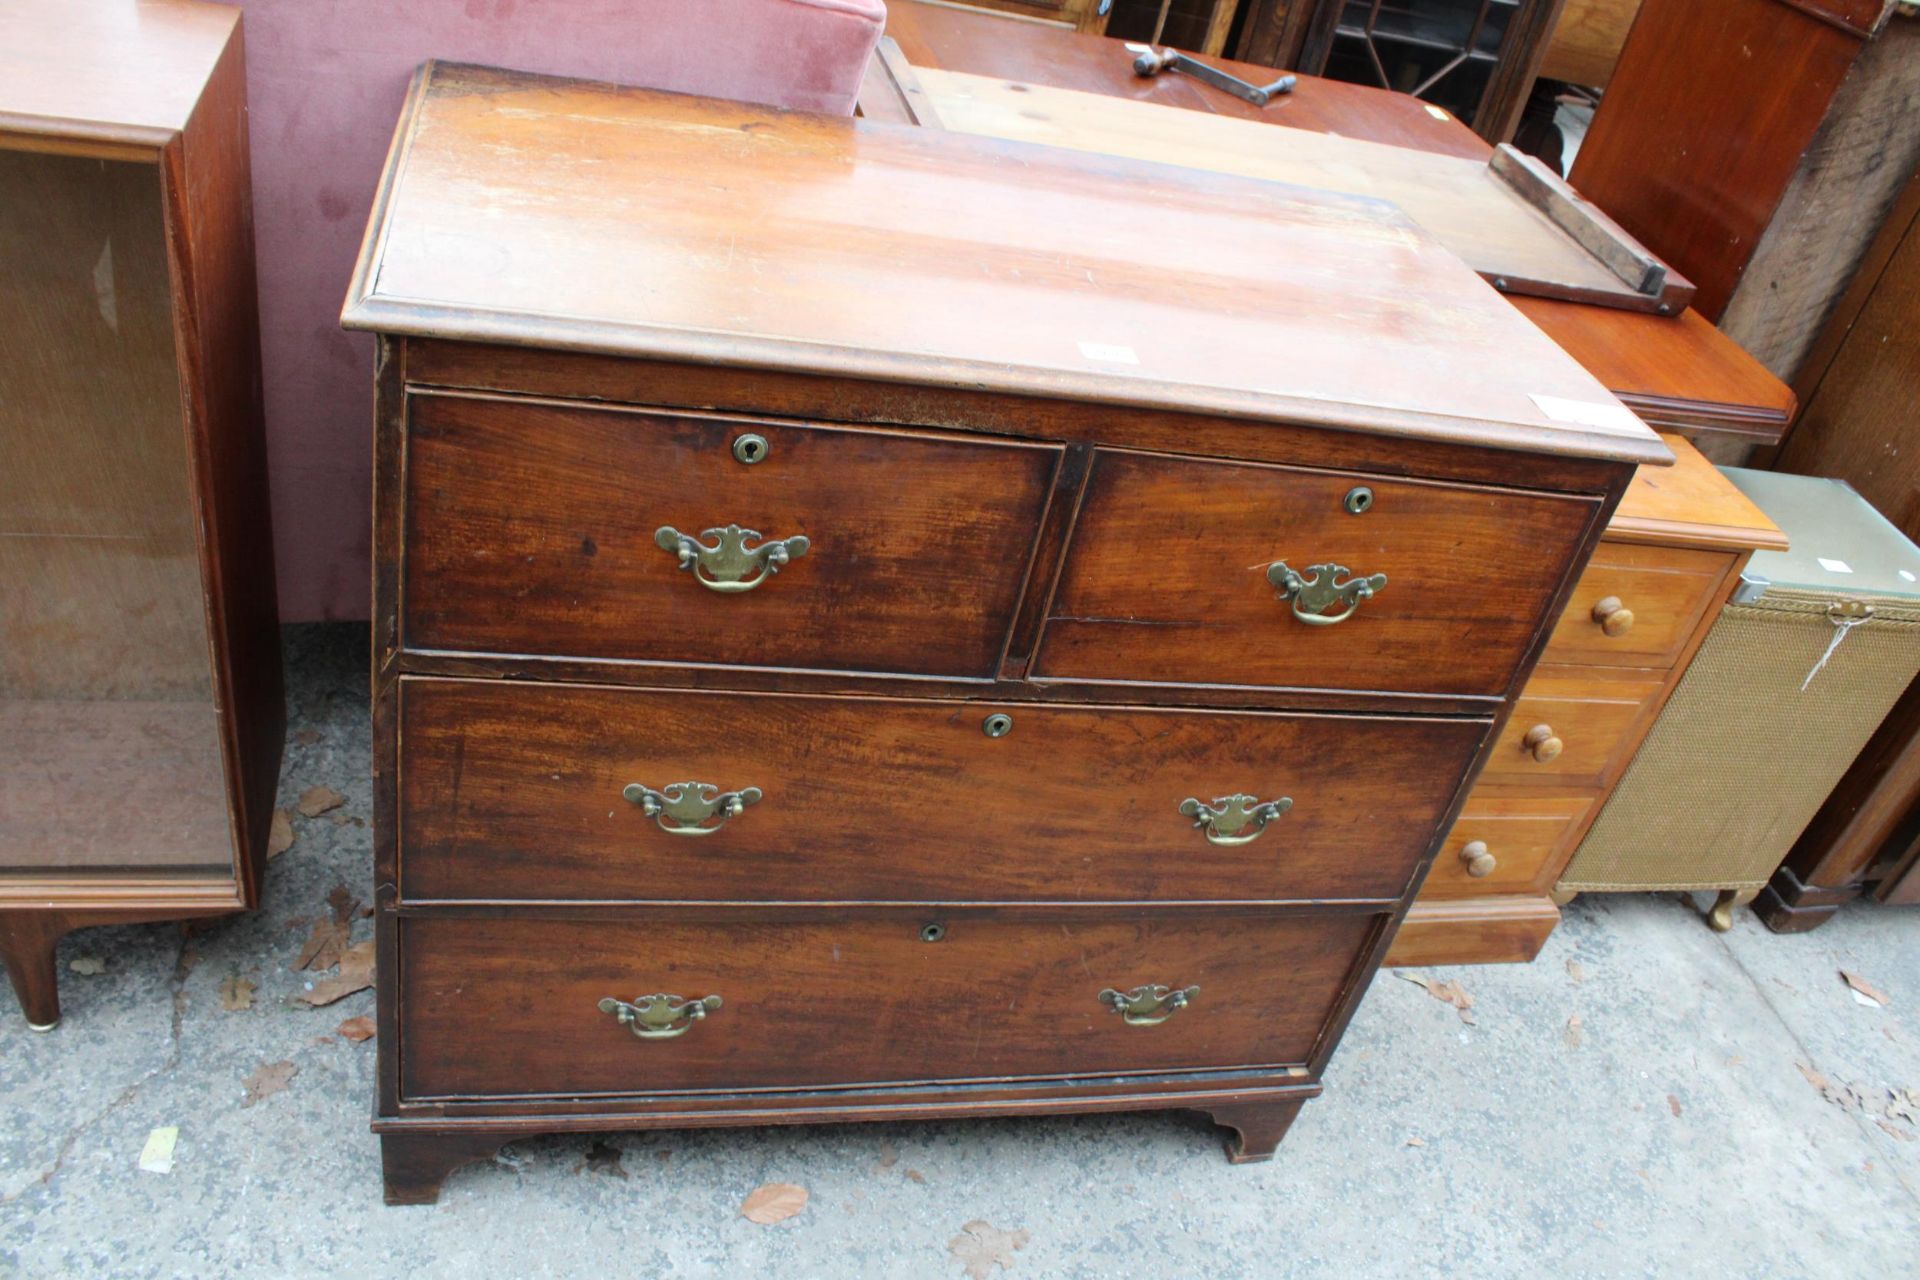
[(874, 623)]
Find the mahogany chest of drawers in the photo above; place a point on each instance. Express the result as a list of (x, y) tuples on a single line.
[(875, 623)]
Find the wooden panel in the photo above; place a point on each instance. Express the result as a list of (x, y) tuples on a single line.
[(1596, 712), (1666, 590), (1462, 203), (1527, 837), (1690, 504), (514, 792), (1852, 172), (1213, 296), (919, 543), (1508, 930), (1858, 422), (957, 39), (509, 1006), (108, 69), (1165, 579), (1703, 125), (1587, 40)]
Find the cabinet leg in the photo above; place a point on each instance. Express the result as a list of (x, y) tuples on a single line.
[(27, 942), (1258, 1128), (1720, 918), (415, 1164)]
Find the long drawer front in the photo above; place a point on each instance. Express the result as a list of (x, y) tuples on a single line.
[(553, 1008), (524, 792)]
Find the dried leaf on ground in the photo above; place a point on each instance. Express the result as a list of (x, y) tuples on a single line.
[(315, 801), (307, 737), (914, 1175), (268, 1079), (1866, 988), (1814, 1078), (1673, 1105), (981, 1246), (602, 1157), (90, 966), (280, 834), (888, 1158), (236, 994), (1449, 991), (356, 974), (343, 903), (1574, 1034), (1895, 1130), (1416, 1142), (323, 947), (157, 1155), (775, 1202), (1574, 970), (359, 1030)]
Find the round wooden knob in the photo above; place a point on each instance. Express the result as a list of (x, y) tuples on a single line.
[(1478, 858), (1614, 618), (1541, 744)]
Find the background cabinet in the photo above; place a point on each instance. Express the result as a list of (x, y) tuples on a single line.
[(141, 711)]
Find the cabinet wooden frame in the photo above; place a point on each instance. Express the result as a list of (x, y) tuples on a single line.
[(176, 105)]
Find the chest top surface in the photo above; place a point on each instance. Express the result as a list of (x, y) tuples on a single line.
[(131, 69), (554, 213)]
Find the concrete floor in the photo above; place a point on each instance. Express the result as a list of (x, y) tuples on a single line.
[(1672, 1132)]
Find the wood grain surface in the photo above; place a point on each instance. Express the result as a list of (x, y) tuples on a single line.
[(1165, 579), (513, 791), (919, 543), (1598, 713), (1216, 293), (1667, 589), (509, 1006)]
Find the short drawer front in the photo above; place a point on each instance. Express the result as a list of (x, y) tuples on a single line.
[(1637, 606), (535, 529), (516, 792), (1573, 727), (1514, 845), (511, 1006), (1167, 578)]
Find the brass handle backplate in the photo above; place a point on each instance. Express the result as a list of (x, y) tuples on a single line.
[(1234, 819), (1148, 1006), (1321, 588), (1477, 858), (1613, 617), (659, 1016), (690, 808), (727, 563), (1541, 744)]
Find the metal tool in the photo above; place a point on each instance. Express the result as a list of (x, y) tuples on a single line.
[(1148, 61)]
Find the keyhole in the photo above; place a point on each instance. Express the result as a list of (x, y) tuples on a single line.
[(1359, 498), (932, 932), (997, 725), (750, 448)]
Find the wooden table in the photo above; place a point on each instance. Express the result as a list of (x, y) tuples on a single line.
[(1679, 374)]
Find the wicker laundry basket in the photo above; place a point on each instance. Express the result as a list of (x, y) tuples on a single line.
[(1804, 662)]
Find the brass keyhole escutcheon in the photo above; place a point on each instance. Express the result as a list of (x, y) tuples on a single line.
[(1359, 500), (932, 932), (751, 448), (997, 725)]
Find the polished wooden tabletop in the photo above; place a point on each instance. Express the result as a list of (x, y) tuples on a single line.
[(559, 213), (1677, 373)]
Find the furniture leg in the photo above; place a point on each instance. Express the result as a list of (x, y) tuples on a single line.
[(27, 942), (415, 1164), (1720, 917), (1561, 897), (1258, 1128)]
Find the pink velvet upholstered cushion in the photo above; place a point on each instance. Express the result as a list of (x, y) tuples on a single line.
[(325, 81)]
